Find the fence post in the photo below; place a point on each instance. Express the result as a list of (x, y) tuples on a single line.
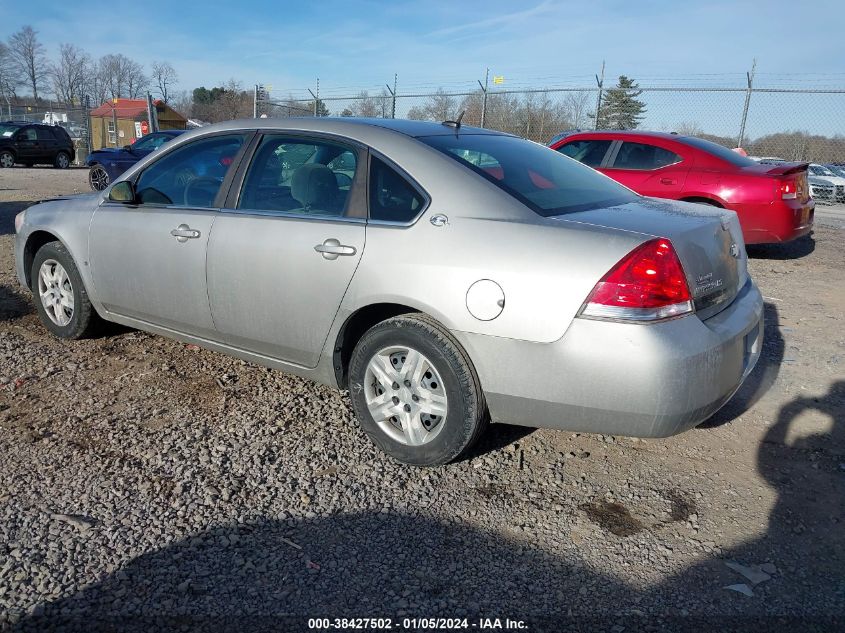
[(750, 78), (393, 109), (484, 97), (600, 82), (88, 122), (255, 101), (316, 96)]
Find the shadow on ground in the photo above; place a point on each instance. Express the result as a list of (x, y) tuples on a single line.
[(8, 211), (795, 249)]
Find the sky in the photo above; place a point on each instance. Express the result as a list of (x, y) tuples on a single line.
[(353, 44)]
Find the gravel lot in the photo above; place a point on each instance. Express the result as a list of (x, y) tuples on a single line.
[(141, 477)]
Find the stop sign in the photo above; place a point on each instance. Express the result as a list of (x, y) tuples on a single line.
[(145, 127)]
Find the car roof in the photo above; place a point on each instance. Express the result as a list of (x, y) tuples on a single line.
[(347, 125), (669, 136)]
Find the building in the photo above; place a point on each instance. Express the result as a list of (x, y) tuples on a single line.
[(119, 122)]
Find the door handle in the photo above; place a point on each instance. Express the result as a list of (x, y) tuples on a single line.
[(667, 181), (332, 248), (183, 233)]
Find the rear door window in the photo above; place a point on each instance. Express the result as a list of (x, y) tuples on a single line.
[(299, 176), (590, 153), (44, 134), (643, 157)]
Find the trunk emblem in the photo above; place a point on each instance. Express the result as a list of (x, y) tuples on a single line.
[(735, 251)]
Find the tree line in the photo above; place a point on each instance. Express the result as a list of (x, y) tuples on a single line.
[(74, 75)]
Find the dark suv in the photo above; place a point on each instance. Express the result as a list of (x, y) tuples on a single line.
[(30, 143)]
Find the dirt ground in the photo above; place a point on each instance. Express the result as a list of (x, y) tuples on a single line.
[(160, 445)]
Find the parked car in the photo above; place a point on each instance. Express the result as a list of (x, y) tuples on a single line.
[(28, 144), (839, 170), (821, 190), (460, 276), (108, 163), (773, 201), (838, 182)]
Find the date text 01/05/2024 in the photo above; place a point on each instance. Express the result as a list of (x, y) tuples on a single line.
[(415, 624)]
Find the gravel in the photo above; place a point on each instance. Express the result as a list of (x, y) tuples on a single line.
[(141, 478)]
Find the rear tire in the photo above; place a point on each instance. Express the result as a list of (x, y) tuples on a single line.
[(62, 160), (7, 159), (440, 411), (59, 294)]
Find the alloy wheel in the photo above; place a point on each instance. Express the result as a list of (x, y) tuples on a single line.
[(7, 160), (405, 395), (62, 161), (56, 292), (98, 178)]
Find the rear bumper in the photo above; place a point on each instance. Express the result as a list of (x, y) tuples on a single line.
[(623, 379), (776, 222)]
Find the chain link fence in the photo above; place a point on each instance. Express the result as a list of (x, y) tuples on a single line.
[(791, 124)]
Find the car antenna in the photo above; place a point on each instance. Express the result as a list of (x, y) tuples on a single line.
[(456, 124)]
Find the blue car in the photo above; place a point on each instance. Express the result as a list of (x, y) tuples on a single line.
[(108, 163)]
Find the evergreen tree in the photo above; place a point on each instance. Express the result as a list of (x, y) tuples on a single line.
[(620, 109)]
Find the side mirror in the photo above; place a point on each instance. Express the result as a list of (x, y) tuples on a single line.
[(123, 192), (127, 148)]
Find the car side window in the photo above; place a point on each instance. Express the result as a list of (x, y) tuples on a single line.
[(392, 197), (190, 175), (28, 134), (643, 157), (304, 177), (588, 152), (44, 134)]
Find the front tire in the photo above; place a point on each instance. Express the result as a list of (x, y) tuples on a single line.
[(62, 160), (415, 391), (59, 295), (98, 177)]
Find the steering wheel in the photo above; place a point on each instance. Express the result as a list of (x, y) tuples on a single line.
[(204, 185)]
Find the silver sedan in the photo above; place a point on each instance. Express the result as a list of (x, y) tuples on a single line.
[(446, 276)]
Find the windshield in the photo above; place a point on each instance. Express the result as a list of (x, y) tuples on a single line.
[(8, 130), (719, 151), (818, 170), (541, 178), (151, 142)]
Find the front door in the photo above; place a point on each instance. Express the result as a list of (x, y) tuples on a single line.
[(148, 259), (27, 146), (280, 259)]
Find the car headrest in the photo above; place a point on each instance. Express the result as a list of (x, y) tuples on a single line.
[(314, 185)]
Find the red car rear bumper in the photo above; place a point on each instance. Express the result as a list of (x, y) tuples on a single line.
[(776, 222)]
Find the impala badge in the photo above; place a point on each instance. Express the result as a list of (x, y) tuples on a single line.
[(735, 251)]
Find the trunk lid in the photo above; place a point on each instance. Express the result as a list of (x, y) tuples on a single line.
[(791, 178), (708, 241)]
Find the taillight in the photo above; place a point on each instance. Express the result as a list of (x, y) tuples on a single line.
[(788, 190), (647, 284)]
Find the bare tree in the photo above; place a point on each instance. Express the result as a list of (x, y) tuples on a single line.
[(27, 55), (182, 102), (438, 107), (9, 77), (365, 106), (70, 73), (137, 82), (233, 102), (164, 76), (577, 105), (122, 77)]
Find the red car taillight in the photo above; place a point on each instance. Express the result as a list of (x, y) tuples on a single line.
[(647, 284), (788, 190)]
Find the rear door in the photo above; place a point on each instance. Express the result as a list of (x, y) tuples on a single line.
[(47, 143), (284, 249), (648, 169)]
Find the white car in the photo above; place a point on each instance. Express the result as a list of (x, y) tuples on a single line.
[(837, 181)]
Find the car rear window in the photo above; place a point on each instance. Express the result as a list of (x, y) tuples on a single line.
[(541, 178), (719, 151), (7, 129)]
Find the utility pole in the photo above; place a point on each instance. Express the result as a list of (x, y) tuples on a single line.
[(484, 96), (151, 113), (750, 79), (600, 82)]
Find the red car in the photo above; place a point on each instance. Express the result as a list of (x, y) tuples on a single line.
[(772, 201)]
